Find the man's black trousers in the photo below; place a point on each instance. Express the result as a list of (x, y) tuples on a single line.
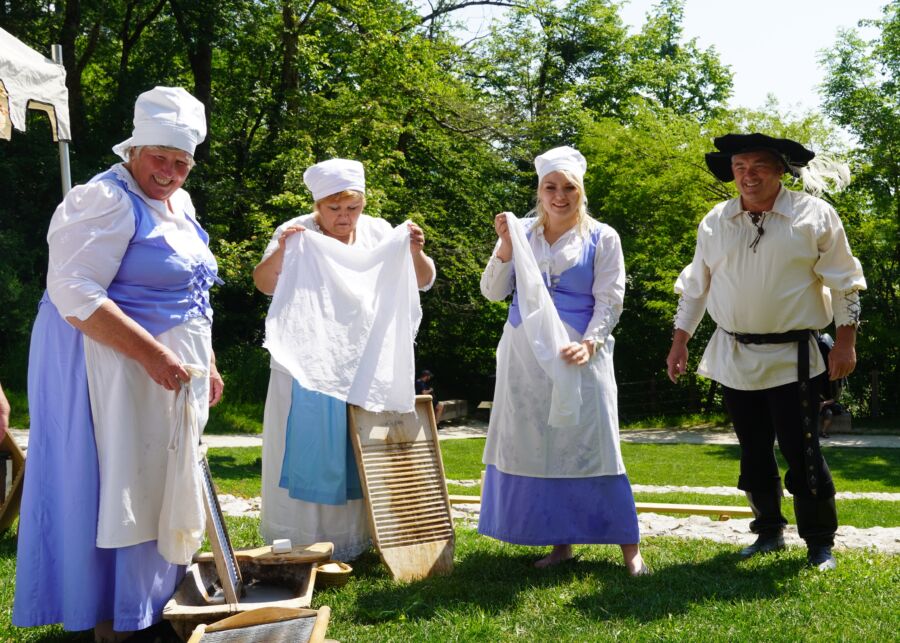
[(759, 417)]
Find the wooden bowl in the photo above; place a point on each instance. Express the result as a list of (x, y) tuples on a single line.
[(332, 573)]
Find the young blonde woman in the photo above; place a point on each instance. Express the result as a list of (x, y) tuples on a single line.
[(546, 485)]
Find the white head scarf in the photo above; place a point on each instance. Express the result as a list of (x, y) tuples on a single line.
[(334, 176), (561, 158), (166, 116)]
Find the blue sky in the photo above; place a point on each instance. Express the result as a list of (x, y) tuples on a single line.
[(772, 46)]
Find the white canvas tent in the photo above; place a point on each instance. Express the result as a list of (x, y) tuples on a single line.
[(28, 80)]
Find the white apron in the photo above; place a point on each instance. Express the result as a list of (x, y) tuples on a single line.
[(133, 419)]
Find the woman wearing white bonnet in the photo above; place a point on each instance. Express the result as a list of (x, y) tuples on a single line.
[(558, 485), (319, 498), (125, 323)]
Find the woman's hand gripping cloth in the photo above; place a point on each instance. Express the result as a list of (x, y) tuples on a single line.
[(343, 319), (182, 519), (545, 331)]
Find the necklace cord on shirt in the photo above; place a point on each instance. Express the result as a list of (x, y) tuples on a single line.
[(757, 219)]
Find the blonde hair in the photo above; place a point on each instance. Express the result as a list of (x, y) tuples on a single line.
[(339, 196), (582, 222)]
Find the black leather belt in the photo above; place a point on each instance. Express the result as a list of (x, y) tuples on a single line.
[(812, 456)]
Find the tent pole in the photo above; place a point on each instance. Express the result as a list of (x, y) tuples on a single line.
[(64, 169)]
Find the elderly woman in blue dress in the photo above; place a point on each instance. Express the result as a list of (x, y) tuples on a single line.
[(310, 485), (546, 485), (124, 324)]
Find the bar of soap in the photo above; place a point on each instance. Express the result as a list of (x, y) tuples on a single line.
[(281, 545)]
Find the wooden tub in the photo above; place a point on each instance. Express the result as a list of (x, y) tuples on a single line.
[(269, 580)]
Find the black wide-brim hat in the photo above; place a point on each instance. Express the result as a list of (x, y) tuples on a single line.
[(790, 152)]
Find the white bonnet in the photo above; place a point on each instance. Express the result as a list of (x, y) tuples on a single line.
[(166, 116), (334, 176), (560, 158)]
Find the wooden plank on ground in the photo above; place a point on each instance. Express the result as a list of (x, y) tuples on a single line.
[(724, 512)]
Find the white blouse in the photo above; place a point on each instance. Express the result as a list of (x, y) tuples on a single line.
[(90, 232), (609, 272)]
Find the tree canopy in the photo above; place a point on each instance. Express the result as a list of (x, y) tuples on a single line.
[(447, 131)]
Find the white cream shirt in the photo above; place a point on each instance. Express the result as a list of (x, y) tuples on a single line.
[(801, 276)]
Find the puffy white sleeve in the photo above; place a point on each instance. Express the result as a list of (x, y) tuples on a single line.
[(497, 278), (89, 234), (692, 286), (839, 270), (609, 286)]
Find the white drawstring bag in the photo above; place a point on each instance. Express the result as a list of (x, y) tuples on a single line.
[(182, 519)]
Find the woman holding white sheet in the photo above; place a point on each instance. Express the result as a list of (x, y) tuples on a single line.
[(545, 483), (311, 490)]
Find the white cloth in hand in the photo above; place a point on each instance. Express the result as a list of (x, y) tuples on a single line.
[(545, 331), (343, 319)]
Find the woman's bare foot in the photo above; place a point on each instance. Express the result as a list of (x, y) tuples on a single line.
[(104, 633), (634, 562), (559, 554)]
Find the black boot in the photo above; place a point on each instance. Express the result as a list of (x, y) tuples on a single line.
[(820, 557), (765, 543), (768, 522), (817, 524)]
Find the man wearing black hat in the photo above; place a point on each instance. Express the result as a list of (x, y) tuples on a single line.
[(772, 266)]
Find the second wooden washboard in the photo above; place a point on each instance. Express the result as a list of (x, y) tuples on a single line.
[(405, 489)]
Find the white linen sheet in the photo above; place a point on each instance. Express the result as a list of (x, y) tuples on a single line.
[(343, 319)]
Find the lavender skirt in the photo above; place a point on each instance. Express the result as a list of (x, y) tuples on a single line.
[(558, 511), (61, 576)]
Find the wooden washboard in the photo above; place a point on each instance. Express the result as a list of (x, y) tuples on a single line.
[(403, 483), (9, 509)]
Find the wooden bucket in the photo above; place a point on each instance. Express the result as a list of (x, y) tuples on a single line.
[(404, 486), (225, 582)]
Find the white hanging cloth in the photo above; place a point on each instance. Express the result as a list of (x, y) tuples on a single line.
[(544, 330), (29, 79), (182, 519), (343, 319)]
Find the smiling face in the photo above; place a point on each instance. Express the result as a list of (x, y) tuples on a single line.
[(559, 197), (159, 171), (337, 214), (757, 176)]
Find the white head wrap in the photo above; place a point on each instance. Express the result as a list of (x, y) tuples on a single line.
[(561, 158), (166, 116), (334, 176)]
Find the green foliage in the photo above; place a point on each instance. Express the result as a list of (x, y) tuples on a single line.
[(447, 132), (677, 75), (860, 93), (647, 181)]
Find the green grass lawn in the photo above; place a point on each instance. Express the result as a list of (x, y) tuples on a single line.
[(237, 471), (704, 465), (699, 590)]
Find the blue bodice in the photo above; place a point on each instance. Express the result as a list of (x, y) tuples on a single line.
[(155, 285), (571, 291)]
